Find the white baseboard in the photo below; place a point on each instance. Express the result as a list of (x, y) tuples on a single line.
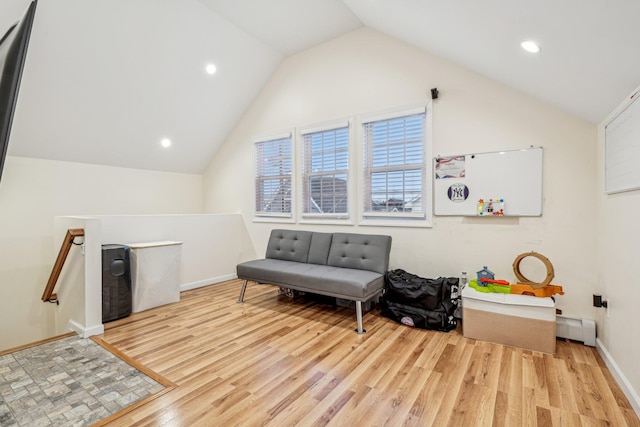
[(83, 331), (576, 329), (206, 282), (624, 384)]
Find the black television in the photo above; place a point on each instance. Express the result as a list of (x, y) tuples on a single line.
[(13, 51)]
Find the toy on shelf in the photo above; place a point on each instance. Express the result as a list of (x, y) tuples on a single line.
[(545, 291), (491, 207), (528, 287), (524, 280), (489, 287), (486, 280), (485, 273)]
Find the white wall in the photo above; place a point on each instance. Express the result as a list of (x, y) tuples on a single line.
[(33, 192), (618, 252), (70, 287), (366, 71), (212, 244)]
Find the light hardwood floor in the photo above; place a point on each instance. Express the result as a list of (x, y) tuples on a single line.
[(278, 362)]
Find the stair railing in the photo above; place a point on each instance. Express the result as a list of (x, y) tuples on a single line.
[(72, 233)]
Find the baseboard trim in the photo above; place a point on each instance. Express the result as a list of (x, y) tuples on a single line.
[(83, 331), (207, 282), (624, 384)]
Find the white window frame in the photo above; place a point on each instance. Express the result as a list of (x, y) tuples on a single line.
[(284, 217), (325, 218), (399, 219)]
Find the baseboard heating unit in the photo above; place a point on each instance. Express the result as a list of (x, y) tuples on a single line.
[(583, 330)]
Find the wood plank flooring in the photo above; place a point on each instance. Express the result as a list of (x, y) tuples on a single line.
[(273, 361)]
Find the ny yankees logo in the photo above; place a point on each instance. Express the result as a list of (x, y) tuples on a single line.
[(458, 192)]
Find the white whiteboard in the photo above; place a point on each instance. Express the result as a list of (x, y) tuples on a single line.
[(622, 150), (514, 176)]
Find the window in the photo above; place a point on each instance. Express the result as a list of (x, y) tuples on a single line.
[(325, 172), (273, 177), (395, 168)]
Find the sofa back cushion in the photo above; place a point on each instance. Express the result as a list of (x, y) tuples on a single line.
[(289, 245), (360, 251), (319, 249)]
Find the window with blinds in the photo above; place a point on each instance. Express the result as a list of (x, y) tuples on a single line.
[(325, 172), (273, 177), (394, 169)]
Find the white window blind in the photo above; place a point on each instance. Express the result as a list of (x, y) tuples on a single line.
[(394, 170), (273, 177), (325, 172)]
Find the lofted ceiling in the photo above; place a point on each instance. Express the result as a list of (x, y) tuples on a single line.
[(105, 81)]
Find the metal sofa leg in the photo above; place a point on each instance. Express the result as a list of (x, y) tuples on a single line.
[(359, 317), (244, 287)]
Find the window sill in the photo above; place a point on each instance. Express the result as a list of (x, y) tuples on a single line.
[(327, 221), (395, 223), (274, 219)]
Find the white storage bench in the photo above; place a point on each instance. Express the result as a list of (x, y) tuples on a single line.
[(155, 274), (516, 320)]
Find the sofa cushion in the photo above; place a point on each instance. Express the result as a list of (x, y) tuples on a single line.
[(319, 249), (360, 251), (289, 245), (342, 282), (263, 270), (314, 278)]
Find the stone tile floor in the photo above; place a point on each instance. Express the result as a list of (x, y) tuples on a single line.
[(68, 382)]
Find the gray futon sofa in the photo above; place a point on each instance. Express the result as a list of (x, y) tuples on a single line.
[(343, 265)]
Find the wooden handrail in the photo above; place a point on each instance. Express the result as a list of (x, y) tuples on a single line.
[(72, 233)]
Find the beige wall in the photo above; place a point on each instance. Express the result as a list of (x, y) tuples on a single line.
[(33, 192), (618, 252), (366, 71)]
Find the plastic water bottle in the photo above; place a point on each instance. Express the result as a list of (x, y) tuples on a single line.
[(462, 283)]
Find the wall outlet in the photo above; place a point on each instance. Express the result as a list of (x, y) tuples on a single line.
[(608, 305)]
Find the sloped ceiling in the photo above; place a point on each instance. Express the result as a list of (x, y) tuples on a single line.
[(288, 26), (105, 81), (590, 57)]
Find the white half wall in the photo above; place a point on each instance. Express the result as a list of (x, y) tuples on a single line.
[(71, 311), (212, 246), (33, 192)]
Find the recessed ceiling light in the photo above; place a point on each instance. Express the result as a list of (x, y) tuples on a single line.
[(211, 69), (166, 143), (530, 46)]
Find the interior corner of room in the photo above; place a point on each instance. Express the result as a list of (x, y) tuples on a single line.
[(133, 137)]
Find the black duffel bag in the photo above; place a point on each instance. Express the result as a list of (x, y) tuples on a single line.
[(409, 289), (419, 302), (418, 317)]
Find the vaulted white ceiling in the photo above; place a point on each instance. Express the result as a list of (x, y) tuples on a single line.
[(590, 58), (288, 26), (105, 81)]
